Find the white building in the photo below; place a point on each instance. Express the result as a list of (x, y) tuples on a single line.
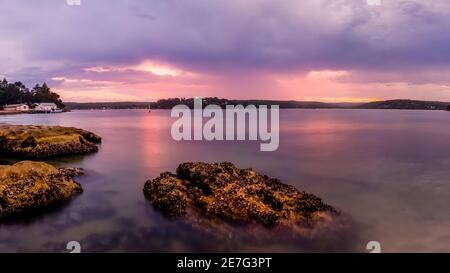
[(16, 107), (46, 107)]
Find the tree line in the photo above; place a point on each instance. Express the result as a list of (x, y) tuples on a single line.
[(288, 104), (17, 92)]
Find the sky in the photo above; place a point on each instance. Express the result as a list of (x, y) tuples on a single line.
[(315, 50)]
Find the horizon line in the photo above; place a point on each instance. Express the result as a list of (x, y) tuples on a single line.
[(276, 100)]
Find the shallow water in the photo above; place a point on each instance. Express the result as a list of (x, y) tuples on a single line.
[(389, 170)]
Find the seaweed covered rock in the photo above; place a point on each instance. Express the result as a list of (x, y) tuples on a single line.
[(45, 141), (32, 186), (222, 191)]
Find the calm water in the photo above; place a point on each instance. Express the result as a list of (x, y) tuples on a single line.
[(389, 170)]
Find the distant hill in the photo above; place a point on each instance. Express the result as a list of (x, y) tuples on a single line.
[(107, 105), (170, 103), (406, 104), (291, 104)]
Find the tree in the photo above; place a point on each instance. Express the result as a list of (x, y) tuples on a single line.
[(44, 94), (12, 93), (2, 97), (3, 84)]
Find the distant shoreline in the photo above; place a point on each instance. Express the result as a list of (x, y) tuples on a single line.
[(6, 113), (167, 104)]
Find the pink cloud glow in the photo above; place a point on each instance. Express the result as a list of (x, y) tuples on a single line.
[(149, 81)]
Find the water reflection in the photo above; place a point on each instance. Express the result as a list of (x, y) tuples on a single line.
[(387, 169)]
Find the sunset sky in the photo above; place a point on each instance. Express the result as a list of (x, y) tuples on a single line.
[(321, 50)]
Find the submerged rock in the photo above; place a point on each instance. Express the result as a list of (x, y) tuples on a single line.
[(222, 191), (46, 141), (30, 186)]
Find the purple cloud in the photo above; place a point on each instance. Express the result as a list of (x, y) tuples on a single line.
[(44, 39)]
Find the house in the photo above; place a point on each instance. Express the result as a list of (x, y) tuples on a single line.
[(16, 108), (48, 107)]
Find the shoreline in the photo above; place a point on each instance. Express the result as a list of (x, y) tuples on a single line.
[(406, 104), (6, 113), (281, 109)]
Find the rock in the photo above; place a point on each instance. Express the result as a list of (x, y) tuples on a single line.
[(31, 186), (46, 141), (222, 191)]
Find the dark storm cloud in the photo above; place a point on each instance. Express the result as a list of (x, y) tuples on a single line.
[(221, 36)]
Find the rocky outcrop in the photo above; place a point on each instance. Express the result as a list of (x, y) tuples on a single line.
[(28, 186), (45, 141), (222, 191)]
